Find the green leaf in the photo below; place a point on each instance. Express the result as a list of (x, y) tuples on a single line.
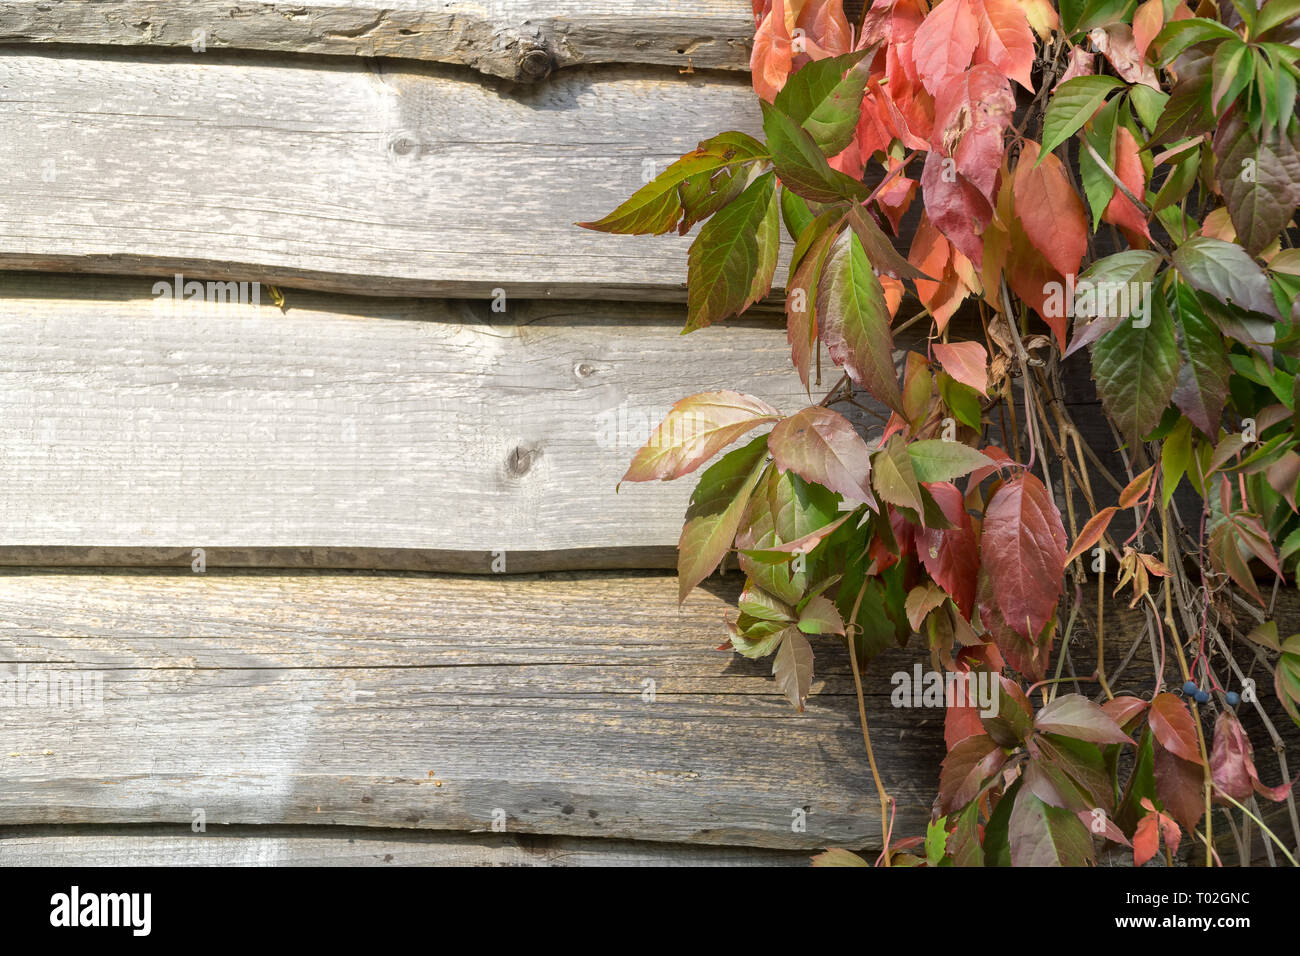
[(714, 514), (659, 206), (1148, 103), (938, 460), (1230, 74), (1225, 271), (880, 248), (1072, 106), (1274, 14), (796, 214), (1097, 185), (1180, 180), (1136, 370), (894, 479), (801, 164), (1043, 835), (1180, 34), (1175, 456), (962, 400), (853, 318), (1080, 16), (754, 638), (825, 102), (936, 841), (732, 261), (758, 604), (820, 617), (1202, 389)]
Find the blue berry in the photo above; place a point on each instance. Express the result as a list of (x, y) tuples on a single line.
[(1202, 697), (1233, 698), (1189, 688)]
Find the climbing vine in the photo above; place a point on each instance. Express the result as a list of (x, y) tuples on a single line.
[(1100, 176)]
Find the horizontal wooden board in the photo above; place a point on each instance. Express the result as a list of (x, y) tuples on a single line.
[(348, 175), (434, 702), (348, 432), (517, 39), (352, 846)]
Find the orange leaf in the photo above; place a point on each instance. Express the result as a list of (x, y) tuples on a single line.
[(1049, 209), (1006, 40), (1131, 495), (1174, 728), (945, 43), (1147, 22), (1121, 211), (1091, 532), (772, 57), (826, 28)]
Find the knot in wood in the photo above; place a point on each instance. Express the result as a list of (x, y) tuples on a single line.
[(534, 64), (520, 460)]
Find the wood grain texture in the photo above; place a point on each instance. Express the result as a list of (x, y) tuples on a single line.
[(517, 39), (353, 846), (431, 702), (355, 176), (348, 432)]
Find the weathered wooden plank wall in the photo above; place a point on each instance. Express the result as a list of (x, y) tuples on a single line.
[(362, 155), (575, 704), (346, 426), (517, 39), (372, 176), (352, 846)]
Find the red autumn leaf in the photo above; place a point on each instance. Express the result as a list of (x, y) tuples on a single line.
[(1091, 532), (965, 769), (1049, 210), (1124, 709), (971, 116), (1174, 727), (961, 721), (945, 43), (966, 362), (820, 445), (1232, 763), (955, 206), (1022, 545), (951, 555), (1121, 211), (771, 60), (1031, 276), (996, 454), (1180, 785), (1006, 41)]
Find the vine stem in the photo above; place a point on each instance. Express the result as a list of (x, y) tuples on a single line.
[(1259, 823), (1200, 737), (1141, 207), (866, 733)]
